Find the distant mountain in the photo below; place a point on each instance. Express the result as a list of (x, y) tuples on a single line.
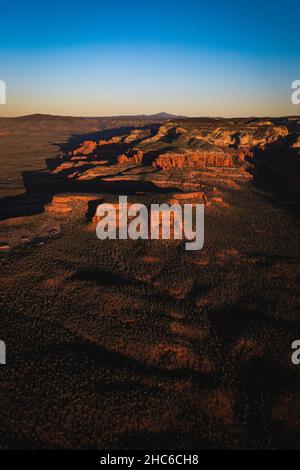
[(81, 124), (49, 122), (164, 115)]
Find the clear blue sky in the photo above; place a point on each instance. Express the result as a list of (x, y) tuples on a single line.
[(129, 57)]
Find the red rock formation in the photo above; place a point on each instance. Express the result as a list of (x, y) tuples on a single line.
[(193, 196), (193, 159), (87, 147), (135, 135), (123, 159), (136, 156), (260, 135), (112, 140), (66, 204)]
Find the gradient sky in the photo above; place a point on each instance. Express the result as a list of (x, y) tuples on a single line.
[(198, 58)]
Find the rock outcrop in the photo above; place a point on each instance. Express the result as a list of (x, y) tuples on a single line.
[(112, 140), (260, 135), (86, 148), (193, 160), (63, 205), (200, 143), (134, 157), (238, 147)]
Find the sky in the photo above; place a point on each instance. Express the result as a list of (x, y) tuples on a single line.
[(114, 57)]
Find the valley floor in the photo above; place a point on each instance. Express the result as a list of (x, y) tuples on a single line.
[(141, 344)]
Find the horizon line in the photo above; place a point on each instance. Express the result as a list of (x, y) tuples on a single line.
[(174, 116)]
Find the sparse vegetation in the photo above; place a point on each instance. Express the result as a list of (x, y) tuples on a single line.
[(141, 344)]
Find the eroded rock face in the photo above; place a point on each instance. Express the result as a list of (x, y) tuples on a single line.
[(239, 147), (63, 205), (202, 143), (135, 157), (188, 143), (261, 135), (122, 159), (136, 134), (86, 148), (112, 140), (197, 159)]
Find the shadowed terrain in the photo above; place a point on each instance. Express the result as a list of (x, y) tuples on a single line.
[(122, 344)]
